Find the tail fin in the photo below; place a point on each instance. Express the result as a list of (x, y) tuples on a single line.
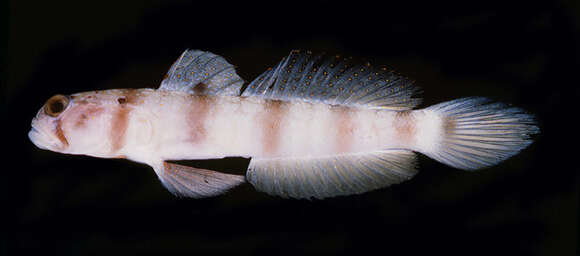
[(478, 133)]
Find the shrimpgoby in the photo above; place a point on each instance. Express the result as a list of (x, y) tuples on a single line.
[(313, 127)]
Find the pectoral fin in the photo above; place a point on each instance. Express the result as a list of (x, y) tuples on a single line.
[(185, 181)]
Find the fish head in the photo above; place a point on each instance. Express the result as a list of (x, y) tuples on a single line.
[(75, 124)]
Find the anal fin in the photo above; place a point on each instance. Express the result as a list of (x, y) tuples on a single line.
[(322, 177), (192, 182)]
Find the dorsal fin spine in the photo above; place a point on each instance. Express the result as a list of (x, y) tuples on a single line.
[(333, 81), (194, 67)]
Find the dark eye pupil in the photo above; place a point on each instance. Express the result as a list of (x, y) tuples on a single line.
[(56, 106)]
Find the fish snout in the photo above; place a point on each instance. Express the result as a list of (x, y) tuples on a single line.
[(43, 139), (36, 138)]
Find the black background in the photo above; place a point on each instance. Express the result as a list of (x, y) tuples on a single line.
[(523, 53)]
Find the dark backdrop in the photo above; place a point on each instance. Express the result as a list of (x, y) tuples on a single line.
[(523, 53)]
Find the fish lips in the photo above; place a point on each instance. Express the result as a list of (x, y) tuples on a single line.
[(43, 140)]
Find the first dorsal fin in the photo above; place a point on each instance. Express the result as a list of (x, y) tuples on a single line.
[(199, 72), (311, 78)]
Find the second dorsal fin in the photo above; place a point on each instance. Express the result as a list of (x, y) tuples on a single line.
[(335, 81), (200, 72)]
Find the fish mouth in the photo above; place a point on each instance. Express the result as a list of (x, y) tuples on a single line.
[(36, 138), (42, 139)]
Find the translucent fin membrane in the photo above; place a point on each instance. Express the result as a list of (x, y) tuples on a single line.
[(331, 176), (479, 133), (195, 68), (187, 181), (334, 80)]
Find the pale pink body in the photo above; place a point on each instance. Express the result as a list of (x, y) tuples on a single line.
[(151, 126), (174, 126)]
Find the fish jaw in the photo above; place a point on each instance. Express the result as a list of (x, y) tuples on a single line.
[(40, 140), (46, 133)]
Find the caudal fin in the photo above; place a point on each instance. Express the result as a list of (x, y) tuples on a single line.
[(477, 133)]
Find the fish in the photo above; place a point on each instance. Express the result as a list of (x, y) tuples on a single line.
[(313, 126)]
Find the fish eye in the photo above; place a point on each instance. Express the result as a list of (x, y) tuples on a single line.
[(56, 105)]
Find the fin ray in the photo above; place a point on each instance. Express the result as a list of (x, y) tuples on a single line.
[(193, 182), (196, 67), (330, 176), (479, 133), (334, 81)]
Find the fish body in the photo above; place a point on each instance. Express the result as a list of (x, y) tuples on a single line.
[(150, 125), (313, 127)]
